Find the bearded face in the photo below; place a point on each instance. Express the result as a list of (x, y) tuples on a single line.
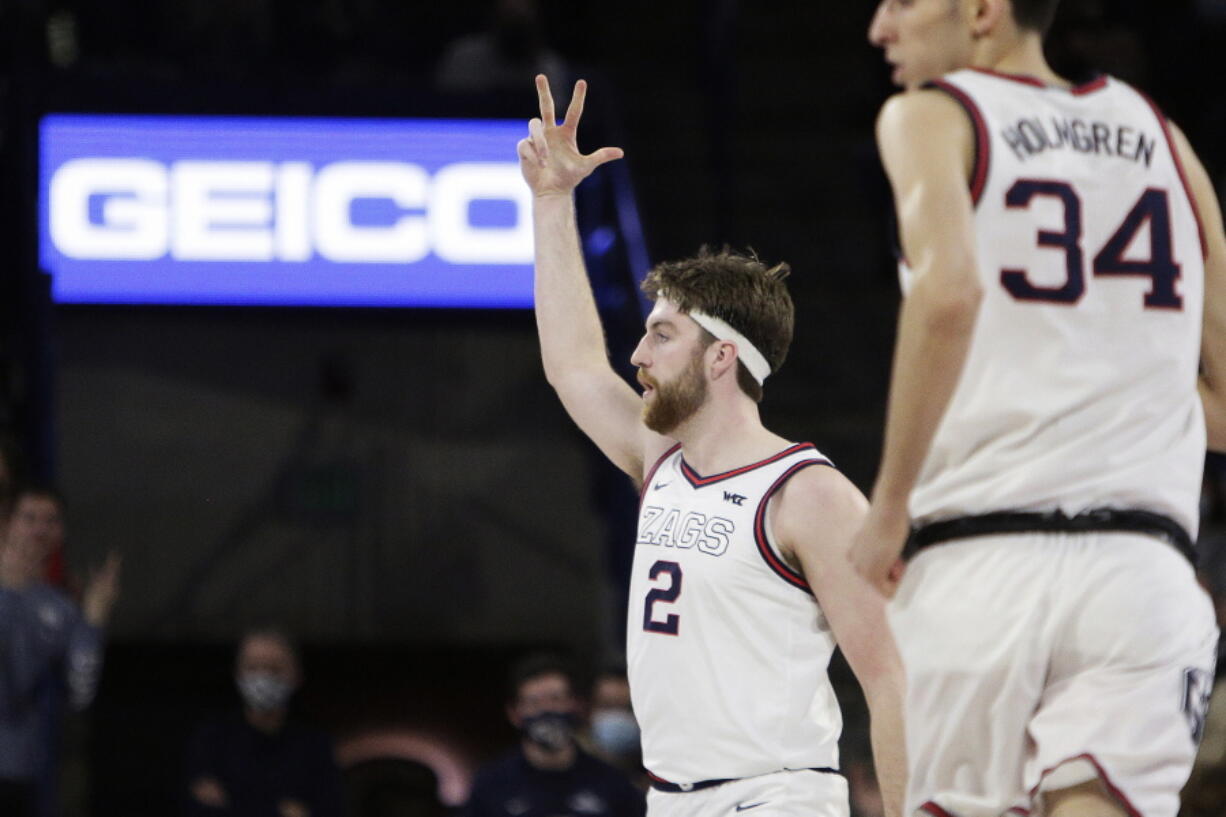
[(676, 401)]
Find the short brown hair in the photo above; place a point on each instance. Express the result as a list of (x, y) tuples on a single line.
[(740, 290), (538, 664)]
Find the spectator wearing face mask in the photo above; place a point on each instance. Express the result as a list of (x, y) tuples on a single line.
[(548, 774), (260, 763), (614, 729)]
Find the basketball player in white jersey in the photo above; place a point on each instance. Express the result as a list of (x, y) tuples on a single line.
[(741, 585), (1065, 270)]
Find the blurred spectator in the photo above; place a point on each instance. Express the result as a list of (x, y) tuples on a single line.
[(548, 775), (505, 57), (50, 649), (259, 763), (38, 517), (615, 731)]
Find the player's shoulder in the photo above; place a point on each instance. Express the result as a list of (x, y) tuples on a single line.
[(819, 488), (913, 111), (922, 128)]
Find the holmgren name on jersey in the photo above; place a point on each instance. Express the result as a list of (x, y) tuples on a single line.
[(1030, 136)]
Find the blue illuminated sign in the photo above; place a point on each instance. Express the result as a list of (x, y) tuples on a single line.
[(262, 211)]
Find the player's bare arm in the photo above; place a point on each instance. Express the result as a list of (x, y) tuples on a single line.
[(815, 518), (1213, 339), (927, 147), (573, 347)]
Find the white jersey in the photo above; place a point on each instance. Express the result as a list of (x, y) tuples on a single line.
[(1079, 389), (726, 646)]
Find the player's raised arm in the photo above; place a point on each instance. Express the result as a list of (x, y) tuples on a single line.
[(815, 518), (926, 146), (572, 341), (1213, 338)]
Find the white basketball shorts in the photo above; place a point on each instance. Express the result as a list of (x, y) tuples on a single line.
[(801, 793), (1039, 661)]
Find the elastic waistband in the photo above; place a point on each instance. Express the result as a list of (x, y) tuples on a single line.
[(1109, 520), (661, 784)]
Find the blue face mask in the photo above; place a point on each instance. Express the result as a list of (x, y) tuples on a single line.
[(615, 732), (549, 730), (263, 691)]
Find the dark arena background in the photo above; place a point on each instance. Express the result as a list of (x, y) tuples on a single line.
[(394, 483)]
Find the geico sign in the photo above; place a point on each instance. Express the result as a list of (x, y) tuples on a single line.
[(284, 211)]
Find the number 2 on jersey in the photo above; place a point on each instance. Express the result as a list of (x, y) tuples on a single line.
[(1153, 208), (664, 595)]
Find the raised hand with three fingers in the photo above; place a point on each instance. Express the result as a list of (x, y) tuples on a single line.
[(549, 156)]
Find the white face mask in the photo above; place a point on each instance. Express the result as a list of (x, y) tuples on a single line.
[(263, 691), (615, 731)]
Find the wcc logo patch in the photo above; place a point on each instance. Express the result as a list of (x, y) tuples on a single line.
[(735, 499)]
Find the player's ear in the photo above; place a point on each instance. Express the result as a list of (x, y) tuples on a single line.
[(987, 15), (724, 359)]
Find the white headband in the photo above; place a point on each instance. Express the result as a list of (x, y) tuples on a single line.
[(746, 351)]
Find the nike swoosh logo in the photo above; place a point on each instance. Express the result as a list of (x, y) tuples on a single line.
[(660, 485), (748, 806)]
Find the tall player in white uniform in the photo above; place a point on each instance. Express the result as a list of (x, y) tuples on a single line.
[(741, 532), (1066, 276)]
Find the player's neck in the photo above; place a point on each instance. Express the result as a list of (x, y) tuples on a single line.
[(720, 438), (1021, 56)]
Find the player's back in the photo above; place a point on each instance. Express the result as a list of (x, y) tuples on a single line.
[(727, 649), (1079, 390)]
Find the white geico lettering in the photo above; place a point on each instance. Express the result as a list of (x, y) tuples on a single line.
[(135, 217), (287, 211)]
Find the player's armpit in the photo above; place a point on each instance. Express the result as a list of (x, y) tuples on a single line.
[(1213, 340)]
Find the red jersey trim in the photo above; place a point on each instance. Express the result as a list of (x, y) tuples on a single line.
[(651, 472), (1022, 78), (768, 553), (934, 810), (699, 481), (983, 144), (1183, 177), (1096, 84), (1102, 775)]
